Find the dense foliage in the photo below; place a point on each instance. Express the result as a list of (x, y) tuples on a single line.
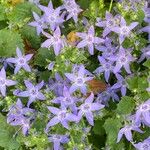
[(74, 75)]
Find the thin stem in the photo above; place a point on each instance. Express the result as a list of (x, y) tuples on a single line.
[(110, 6)]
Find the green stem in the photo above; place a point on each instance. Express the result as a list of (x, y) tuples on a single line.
[(110, 6)]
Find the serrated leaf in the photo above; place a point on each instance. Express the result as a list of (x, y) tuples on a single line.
[(98, 127), (126, 105), (137, 84), (30, 34), (2, 13), (23, 12), (147, 63), (9, 41), (42, 55), (112, 126), (6, 135)]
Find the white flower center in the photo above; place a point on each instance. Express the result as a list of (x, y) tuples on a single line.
[(125, 30), (145, 107), (79, 81)]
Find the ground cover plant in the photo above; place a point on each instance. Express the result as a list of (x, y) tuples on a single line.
[(74, 75)]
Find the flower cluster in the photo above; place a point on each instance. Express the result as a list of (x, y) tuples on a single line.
[(72, 99)]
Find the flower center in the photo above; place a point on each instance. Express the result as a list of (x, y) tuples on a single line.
[(22, 61), (62, 115), (123, 59), (79, 81), (90, 39), (125, 30), (33, 92), (145, 146), (110, 23), (68, 100), (145, 107), (86, 107), (2, 81), (107, 66), (56, 137)]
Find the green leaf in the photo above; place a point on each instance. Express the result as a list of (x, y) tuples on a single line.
[(23, 12), (137, 84), (30, 34), (9, 41), (6, 135), (147, 63), (98, 127), (42, 55), (2, 13), (126, 105), (112, 126)]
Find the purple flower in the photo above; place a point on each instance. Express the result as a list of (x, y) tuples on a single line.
[(56, 41), (20, 115), (5, 82), (106, 67), (5, 64), (145, 145), (143, 113), (57, 85), (88, 107), (147, 14), (127, 132), (32, 92), (67, 100), (57, 140), (121, 83), (107, 49), (124, 30), (51, 65), (39, 23), (52, 16), (89, 40), (72, 9), (146, 29), (145, 54), (78, 80), (108, 24), (21, 61), (61, 116), (106, 95), (123, 59)]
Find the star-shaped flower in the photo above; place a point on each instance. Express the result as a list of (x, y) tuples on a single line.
[(123, 59), (109, 23), (145, 145), (21, 61), (39, 23), (52, 16), (67, 100), (78, 80), (56, 41), (58, 139), (124, 30), (72, 9), (20, 115), (127, 132), (61, 116), (145, 54), (106, 67), (5, 82), (121, 83), (88, 107), (32, 92), (143, 111), (89, 40)]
